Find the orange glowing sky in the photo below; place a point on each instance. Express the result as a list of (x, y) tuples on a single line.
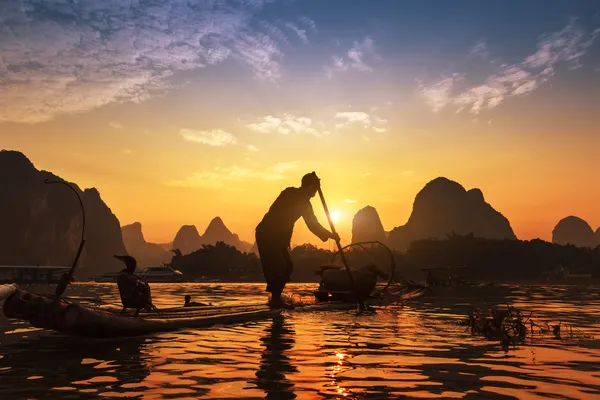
[(218, 114)]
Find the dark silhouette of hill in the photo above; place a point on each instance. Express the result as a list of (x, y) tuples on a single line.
[(444, 206), (218, 232), (188, 239), (573, 230), (367, 226), (597, 237), (41, 224), (503, 260), (144, 252), (166, 246), (500, 260)]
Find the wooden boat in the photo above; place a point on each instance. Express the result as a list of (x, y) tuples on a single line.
[(50, 313), (58, 315)]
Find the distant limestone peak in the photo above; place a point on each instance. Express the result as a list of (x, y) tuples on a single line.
[(144, 252), (15, 159), (216, 228), (573, 230), (367, 226), (132, 234), (444, 206), (187, 239)]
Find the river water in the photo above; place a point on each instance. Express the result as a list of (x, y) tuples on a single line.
[(415, 350)]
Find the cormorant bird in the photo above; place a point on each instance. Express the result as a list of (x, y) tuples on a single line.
[(134, 291), (190, 303)]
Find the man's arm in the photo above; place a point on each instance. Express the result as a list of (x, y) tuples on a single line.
[(313, 224)]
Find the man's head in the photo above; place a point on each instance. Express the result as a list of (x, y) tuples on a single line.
[(311, 183)]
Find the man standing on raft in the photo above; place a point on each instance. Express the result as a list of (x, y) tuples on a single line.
[(274, 233)]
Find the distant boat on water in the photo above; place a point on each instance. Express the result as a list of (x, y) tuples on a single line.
[(163, 273), (31, 273), (561, 272)]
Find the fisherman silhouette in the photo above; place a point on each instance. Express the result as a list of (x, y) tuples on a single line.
[(134, 291), (274, 234)]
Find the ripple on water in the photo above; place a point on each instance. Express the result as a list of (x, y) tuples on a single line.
[(414, 350)]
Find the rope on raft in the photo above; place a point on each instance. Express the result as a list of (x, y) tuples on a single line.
[(61, 287), (379, 292)]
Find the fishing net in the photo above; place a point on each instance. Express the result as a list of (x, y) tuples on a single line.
[(361, 254)]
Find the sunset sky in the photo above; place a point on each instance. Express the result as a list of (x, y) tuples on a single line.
[(180, 111)]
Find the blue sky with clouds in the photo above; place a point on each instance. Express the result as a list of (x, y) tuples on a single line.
[(86, 54)]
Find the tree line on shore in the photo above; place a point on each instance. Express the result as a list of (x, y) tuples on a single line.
[(482, 259)]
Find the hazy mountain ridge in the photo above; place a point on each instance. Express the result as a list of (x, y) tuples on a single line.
[(146, 253), (42, 223), (189, 239)]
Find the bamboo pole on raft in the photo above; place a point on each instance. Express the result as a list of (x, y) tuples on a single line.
[(361, 305)]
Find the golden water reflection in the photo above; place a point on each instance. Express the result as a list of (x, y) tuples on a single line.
[(415, 351)]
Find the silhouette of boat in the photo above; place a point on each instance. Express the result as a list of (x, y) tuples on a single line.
[(163, 273), (107, 322), (562, 273), (31, 273)]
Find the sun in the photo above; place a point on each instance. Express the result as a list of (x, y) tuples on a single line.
[(336, 216)]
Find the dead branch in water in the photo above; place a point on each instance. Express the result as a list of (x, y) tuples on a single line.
[(510, 326)]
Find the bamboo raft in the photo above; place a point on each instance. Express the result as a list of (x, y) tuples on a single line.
[(56, 314)]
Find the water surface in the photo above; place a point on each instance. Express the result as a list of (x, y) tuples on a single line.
[(415, 350)]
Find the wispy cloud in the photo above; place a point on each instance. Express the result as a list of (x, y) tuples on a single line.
[(309, 23), (261, 53), (287, 124), (349, 201), (252, 148), (480, 49), (127, 152), (301, 33), (215, 137), (366, 120), (115, 125), (568, 45), (357, 58), (438, 94), (223, 177), (67, 57), (275, 32)]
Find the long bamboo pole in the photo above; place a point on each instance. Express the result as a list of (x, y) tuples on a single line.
[(361, 304)]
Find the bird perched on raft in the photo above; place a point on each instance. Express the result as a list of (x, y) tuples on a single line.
[(134, 291), (190, 303)]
